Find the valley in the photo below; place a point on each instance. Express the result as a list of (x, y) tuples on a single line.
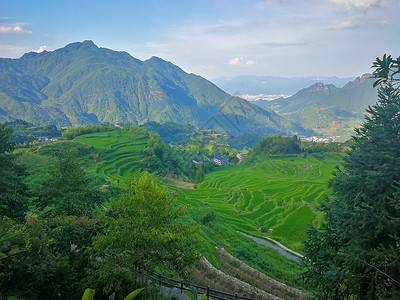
[(274, 197)]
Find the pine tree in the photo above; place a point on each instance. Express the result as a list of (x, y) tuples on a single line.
[(358, 245)]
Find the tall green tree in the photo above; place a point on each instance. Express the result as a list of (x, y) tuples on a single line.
[(13, 191), (144, 229), (357, 246), (68, 189)]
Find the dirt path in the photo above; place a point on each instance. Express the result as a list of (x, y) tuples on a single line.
[(47, 145)]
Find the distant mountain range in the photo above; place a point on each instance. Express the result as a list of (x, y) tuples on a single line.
[(83, 84), (327, 109), (272, 85)]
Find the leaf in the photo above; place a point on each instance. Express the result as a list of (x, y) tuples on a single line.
[(12, 298), (8, 237), (112, 297), (189, 294), (88, 294), (133, 294), (203, 297), (194, 291)]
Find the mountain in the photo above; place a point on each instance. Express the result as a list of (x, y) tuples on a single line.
[(271, 85), (327, 109), (83, 84)]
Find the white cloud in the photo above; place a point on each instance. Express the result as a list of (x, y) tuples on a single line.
[(250, 62), (358, 4), (41, 49), (356, 21), (14, 28), (235, 61), (239, 61)]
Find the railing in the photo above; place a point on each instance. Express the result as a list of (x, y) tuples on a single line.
[(181, 285)]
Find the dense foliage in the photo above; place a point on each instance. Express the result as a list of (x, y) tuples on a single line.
[(277, 144), (356, 249), (47, 249), (73, 132), (13, 191), (163, 159), (25, 133), (170, 132), (143, 230)]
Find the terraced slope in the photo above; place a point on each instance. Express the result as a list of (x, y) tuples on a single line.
[(117, 153), (275, 192)]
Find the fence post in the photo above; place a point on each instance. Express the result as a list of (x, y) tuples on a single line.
[(236, 296), (159, 278), (181, 286), (208, 291)]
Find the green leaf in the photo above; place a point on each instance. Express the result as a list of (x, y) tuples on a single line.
[(194, 291), (189, 294), (133, 294), (88, 294), (8, 237), (112, 297), (203, 297), (12, 298)]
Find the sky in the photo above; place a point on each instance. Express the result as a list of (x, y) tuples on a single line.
[(215, 38)]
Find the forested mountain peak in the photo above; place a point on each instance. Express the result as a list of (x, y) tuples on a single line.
[(84, 84)]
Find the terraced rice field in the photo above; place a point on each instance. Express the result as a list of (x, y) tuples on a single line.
[(275, 192), (117, 153)]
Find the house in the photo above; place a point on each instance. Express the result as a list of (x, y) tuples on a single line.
[(197, 160), (240, 156), (220, 161), (43, 139), (53, 139)]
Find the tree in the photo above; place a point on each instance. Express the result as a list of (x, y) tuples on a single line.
[(68, 188), (143, 230), (357, 245), (13, 191)]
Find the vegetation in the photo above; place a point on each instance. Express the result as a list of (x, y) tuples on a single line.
[(356, 248), (326, 109), (26, 133), (143, 230), (47, 238), (13, 191), (73, 132), (82, 84)]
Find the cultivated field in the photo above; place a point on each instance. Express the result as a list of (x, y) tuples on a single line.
[(116, 153), (280, 193)]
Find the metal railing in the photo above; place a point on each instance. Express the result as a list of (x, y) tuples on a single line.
[(209, 292)]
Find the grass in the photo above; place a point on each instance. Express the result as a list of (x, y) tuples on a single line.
[(275, 192), (117, 154)]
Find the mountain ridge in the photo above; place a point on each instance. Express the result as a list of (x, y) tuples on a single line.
[(327, 109), (83, 84)]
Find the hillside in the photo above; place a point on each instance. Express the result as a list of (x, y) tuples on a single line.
[(272, 85), (232, 198), (327, 109), (83, 84)]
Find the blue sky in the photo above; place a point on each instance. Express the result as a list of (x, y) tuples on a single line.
[(215, 38)]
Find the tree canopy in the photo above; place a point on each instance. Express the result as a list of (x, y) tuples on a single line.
[(356, 250), (143, 229)]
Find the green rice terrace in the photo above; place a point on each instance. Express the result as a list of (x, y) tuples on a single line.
[(279, 193), (116, 153), (273, 197), (273, 192)]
